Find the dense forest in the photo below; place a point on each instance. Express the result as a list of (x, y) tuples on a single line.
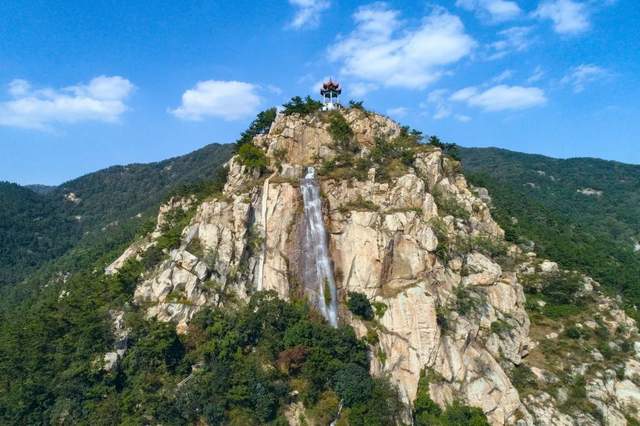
[(583, 213), (39, 224)]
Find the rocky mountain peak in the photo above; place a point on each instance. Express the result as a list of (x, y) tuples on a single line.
[(403, 228)]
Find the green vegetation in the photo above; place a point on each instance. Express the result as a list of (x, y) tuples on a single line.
[(590, 233), (393, 157), (359, 204), (250, 360), (36, 228), (501, 326), (341, 133), (252, 157), (450, 149), (359, 305), (305, 106), (427, 413), (560, 293), (523, 380), (33, 229), (359, 105), (176, 220), (259, 126), (390, 157), (448, 205)]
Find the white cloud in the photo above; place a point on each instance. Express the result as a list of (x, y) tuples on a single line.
[(568, 16), (464, 94), (19, 87), (229, 100), (504, 75), (308, 12), (583, 74), (441, 108), (536, 76), (381, 51), (501, 97), (494, 10), (360, 89), (102, 99), (515, 39), (462, 118), (397, 112)]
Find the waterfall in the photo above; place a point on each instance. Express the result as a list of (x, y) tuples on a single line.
[(263, 218), (319, 273)]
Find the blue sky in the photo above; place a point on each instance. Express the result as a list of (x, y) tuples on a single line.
[(86, 85)]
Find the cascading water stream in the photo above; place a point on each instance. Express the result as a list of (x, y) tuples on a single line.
[(316, 251)]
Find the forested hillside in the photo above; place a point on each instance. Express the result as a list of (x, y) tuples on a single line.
[(32, 228), (583, 212), (39, 224)]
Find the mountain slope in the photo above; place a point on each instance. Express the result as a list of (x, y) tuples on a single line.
[(583, 212), (217, 312), (38, 227), (32, 229)]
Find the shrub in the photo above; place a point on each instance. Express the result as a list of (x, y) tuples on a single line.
[(435, 141), (172, 229), (427, 413), (341, 132), (260, 125), (380, 308), (442, 318), (573, 332), (466, 302), (359, 204), (357, 105), (562, 288), (359, 305), (302, 106), (326, 410), (195, 247), (353, 384), (327, 167), (152, 257), (523, 379), (448, 205), (425, 410), (501, 327), (252, 157), (458, 414), (326, 291)]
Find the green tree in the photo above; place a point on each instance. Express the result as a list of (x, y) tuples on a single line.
[(359, 305)]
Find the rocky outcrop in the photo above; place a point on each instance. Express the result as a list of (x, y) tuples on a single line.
[(419, 244)]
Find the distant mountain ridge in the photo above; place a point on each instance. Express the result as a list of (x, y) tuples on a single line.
[(584, 212), (39, 223)]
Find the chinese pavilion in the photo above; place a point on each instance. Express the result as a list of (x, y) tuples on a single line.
[(330, 92)]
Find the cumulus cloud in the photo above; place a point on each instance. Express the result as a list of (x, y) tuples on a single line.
[(494, 10), (308, 12), (568, 16), (229, 100), (102, 99), (515, 39), (582, 75), (501, 97), (381, 51)]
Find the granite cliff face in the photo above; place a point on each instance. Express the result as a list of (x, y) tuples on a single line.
[(416, 240)]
